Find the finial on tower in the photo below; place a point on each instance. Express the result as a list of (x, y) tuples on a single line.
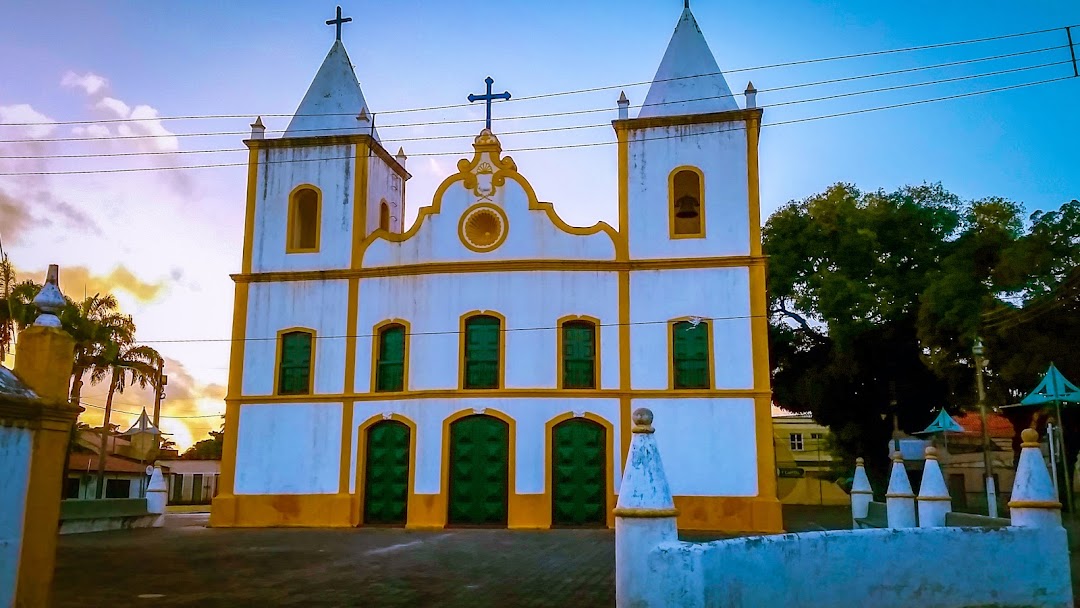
[(751, 95), (258, 129), (49, 300), (338, 21), (624, 106)]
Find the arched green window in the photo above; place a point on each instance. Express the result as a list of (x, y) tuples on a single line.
[(579, 354), (482, 339), (690, 354), (390, 365), (294, 362)]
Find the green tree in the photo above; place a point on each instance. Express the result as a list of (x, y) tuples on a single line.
[(206, 449), (100, 331)]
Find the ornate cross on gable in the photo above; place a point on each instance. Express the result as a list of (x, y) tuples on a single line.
[(488, 99), (338, 21)]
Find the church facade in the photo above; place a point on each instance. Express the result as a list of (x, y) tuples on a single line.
[(480, 367)]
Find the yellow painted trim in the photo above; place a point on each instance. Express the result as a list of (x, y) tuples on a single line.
[(671, 203), (504, 168), (549, 462), (513, 512), (282, 511), (311, 364), (759, 344), (361, 464), (623, 256), (597, 353), (475, 266), (729, 513), (236, 386), (499, 241), (1034, 504), (753, 132), (671, 354), (37, 554), (360, 194), (508, 393), (249, 211), (461, 349), (376, 332), (622, 246), (644, 512), (322, 141), (686, 119), (292, 221), (352, 312)]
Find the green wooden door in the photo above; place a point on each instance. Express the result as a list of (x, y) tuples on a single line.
[(479, 471), (482, 352), (690, 344), (386, 475), (390, 370), (579, 354), (578, 475)]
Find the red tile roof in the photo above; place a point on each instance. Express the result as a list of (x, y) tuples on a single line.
[(79, 462), (998, 425)]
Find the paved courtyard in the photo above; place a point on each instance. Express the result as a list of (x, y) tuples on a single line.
[(187, 564)]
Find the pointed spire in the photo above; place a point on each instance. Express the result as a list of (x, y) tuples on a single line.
[(624, 106), (899, 499), (934, 501), (688, 80), (49, 300), (1033, 502), (751, 95), (861, 493), (332, 102), (143, 425), (258, 129)]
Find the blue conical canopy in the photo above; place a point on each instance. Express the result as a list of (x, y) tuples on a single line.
[(1053, 388), (944, 422)]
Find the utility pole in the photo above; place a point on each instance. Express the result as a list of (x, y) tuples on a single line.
[(988, 465), (159, 392)]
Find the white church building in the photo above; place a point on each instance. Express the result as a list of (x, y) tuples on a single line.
[(480, 366)]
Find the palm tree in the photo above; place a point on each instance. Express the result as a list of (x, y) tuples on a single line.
[(121, 361), (97, 327)]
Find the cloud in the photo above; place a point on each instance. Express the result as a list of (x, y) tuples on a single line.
[(91, 131), (39, 208), (89, 82), (75, 278), (144, 121), (14, 219), (25, 114), (115, 106)]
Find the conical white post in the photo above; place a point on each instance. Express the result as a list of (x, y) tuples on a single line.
[(861, 493), (1034, 502), (157, 497), (899, 499), (934, 501), (644, 517)]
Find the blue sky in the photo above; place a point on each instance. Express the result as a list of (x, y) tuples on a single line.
[(181, 230)]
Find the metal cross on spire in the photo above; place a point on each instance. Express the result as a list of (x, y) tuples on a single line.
[(338, 21), (488, 99)]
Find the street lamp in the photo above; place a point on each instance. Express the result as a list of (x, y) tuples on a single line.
[(988, 465)]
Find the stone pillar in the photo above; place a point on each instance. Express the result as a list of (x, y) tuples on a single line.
[(1034, 502), (934, 501), (157, 496), (35, 421), (644, 518), (861, 493), (899, 499)]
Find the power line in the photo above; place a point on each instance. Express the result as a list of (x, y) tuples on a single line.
[(558, 147), (572, 127), (584, 90), (116, 411)]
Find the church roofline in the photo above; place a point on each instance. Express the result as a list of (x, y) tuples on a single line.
[(687, 119), (331, 140)]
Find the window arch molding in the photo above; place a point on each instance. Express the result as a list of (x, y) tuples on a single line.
[(384, 215), (377, 333), (678, 228), (682, 322), (561, 354), (304, 220), (462, 350), (279, 362)]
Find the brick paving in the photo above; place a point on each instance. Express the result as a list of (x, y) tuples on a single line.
[(187, 564)]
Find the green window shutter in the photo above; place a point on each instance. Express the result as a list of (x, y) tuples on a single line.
[(690, 346), (579, 354), (390, 370), (482, 352), (294, 369)]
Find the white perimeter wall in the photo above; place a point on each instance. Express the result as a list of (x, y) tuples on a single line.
[(530, 417), (721, 156), (290, 448), (318, 305), (717, 293), (435, 303), (16, 445), (708, 445), (331, 169)]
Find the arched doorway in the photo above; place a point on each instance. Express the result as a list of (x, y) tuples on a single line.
[(386, 474), (479, 471), (578, 473)]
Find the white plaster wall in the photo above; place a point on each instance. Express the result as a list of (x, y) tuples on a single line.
[(318, 305), (708, 446), (331, 169), (718, 293), (931, 567), (433, 305), (16, 445), (530, 416), (719, 150), (382, 186), (290, 448), (530, 234)]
